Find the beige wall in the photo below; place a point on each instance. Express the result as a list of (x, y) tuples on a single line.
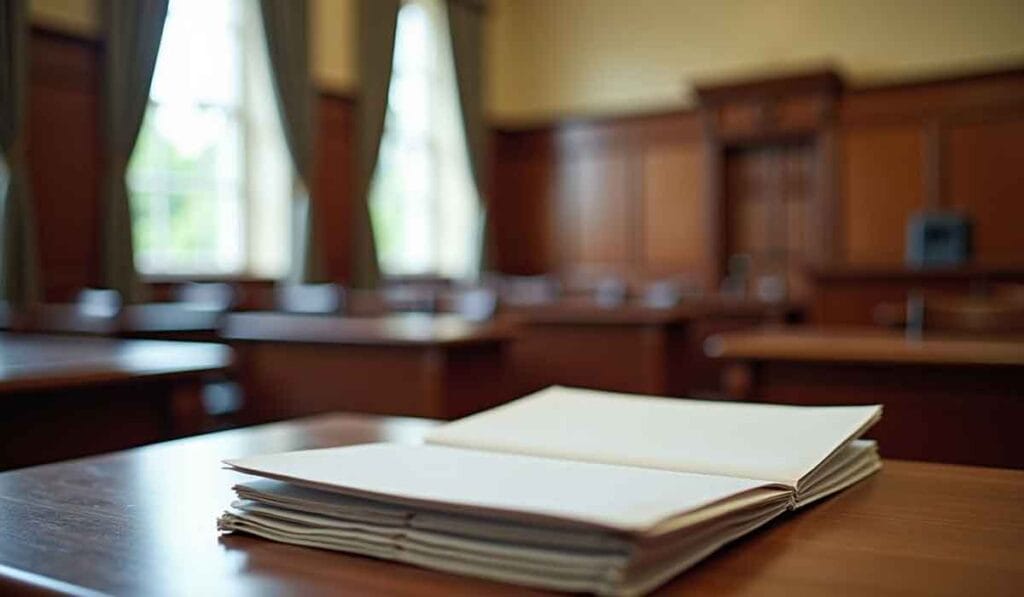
[(555, 57), (80, 17), (332, 42), (551, 57)]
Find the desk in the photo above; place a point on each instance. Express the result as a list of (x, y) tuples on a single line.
[(849, 295), (630, 348), (142, 522), (155, 321), (946, 399), (62, 397), (420, 365)]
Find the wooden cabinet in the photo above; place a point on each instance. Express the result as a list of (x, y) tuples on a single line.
[(770, 147)]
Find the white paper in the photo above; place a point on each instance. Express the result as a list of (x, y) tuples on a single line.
[(608, 496), (756, 441)]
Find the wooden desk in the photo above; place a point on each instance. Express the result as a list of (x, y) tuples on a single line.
[(946, 399), (849, 295), (420, 365), (155, 321), (631, 348), (62, 397), (142, 522)]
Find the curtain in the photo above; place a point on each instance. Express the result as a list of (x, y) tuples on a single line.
[(466, 26), (377, 22), (18, 266), (286, 26), (133, 30)]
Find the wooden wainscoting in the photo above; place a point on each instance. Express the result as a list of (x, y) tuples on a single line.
[(621, 195), (65, 154), (948, 144), (636, 194)]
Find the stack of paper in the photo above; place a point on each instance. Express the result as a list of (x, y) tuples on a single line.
[(566, 489)]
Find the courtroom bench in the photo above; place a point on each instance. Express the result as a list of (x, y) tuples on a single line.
[(631, 347), (946, 399), (68, 396), (411, 364)]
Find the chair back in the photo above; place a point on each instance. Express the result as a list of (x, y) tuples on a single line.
[(662, 294), (324, 299), (206, 296), (476, 304), (611, 292), (522, 291), (99, 302)]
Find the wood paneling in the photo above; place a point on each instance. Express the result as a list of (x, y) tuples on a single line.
[(949, 143), (674, 215), (65, 159), (332, 180), (881, 185), (985, 179), (619, 195), (595, 212), (521, 205), (945, 144)]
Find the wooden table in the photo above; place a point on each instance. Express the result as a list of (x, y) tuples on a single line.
[(69, 396), (850, 295), (155, 321), (419, 365), (629, 348), (946, 399), (142, 522)]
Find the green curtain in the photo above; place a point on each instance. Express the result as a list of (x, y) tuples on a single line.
[(133, 31), (466, 26), (19, 284), (286, 26), (377, 22)]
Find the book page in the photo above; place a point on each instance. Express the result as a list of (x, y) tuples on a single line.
[(519, 487), (756, 441)]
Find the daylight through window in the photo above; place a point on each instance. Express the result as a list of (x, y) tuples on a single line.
[(200, 204), (423, 200)]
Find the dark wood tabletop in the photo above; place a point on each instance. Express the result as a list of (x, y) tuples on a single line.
[(865, 345), (399, 329), (142, 522), (586, 311), (154, 319), (42, 362)]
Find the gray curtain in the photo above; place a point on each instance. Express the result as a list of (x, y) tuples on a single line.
[(133, 30), (18, 266), (286, 25), (377, 21), (466, 25)]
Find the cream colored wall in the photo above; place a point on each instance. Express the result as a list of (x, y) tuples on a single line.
[(80, 17), (332, 43), (552, 57), (333, 31)]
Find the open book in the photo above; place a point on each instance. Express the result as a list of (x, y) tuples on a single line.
[(566, 489)]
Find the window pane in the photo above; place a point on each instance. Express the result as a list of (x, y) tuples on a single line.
[(423, 201), (199, 174)]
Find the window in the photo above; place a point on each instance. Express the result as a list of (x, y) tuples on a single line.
[(423, 201), (200, 204)]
